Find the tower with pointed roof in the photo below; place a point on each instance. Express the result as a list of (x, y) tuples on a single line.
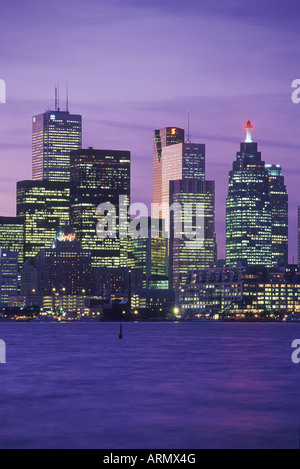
[(248, 208)]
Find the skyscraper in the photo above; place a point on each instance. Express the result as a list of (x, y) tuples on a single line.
[(99, 176), (190, 249), (44, 206), (279, 207), (8, 276), (54, 135), (162, 138), (151, 254), (173, 159), (12, 236), (248, 208)]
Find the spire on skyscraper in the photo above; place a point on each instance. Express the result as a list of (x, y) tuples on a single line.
[(67, 95), (248, 126), (188, 136)]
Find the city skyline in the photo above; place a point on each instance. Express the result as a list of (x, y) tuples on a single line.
[(222, 83), (221, 242)]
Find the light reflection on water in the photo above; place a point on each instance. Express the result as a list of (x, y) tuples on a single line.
[(164, 385)]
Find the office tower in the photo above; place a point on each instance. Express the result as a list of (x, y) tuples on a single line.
[(162, 138), (192, 228), (100, 177), (248, 208), (54, 135), (173, 159), (150, 254), (8, 276), (63, 269), (44, 206), (279, 207), (12, 236)]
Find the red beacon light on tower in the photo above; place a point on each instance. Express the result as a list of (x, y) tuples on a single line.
[(249, 127)]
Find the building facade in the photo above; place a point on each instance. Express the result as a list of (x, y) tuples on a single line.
[(248, 208), (12, 236), (161, 139), (44, 206), (192, 228), (150, 253), (54, 135), (8, 276), (279, 208), (100, 177), (64, 269), (173, 159), (242, 292)]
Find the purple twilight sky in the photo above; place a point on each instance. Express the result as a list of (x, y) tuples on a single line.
[(134, 66)]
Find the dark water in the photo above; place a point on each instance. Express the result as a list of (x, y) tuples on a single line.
[(183, 386)]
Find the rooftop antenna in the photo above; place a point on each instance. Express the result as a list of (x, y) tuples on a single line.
[(188, 135), (55, 105), (58, 97), (67, 95)]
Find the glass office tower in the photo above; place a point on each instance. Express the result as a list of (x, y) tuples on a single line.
[(248, 208), (150, 254), (44, 206), (100, 176), (195, 209), (12, 236), (173, 159), (54, 135), (279, 206), (161, 139)]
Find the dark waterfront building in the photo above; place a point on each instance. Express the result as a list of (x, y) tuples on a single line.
[(195, 218), (147, 304), (100, 177), (12, 236), (279, 207), (242, 292), (64, 269), (8, 276), (109, 281), (54, 135), (44, 206), (248, 208)]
